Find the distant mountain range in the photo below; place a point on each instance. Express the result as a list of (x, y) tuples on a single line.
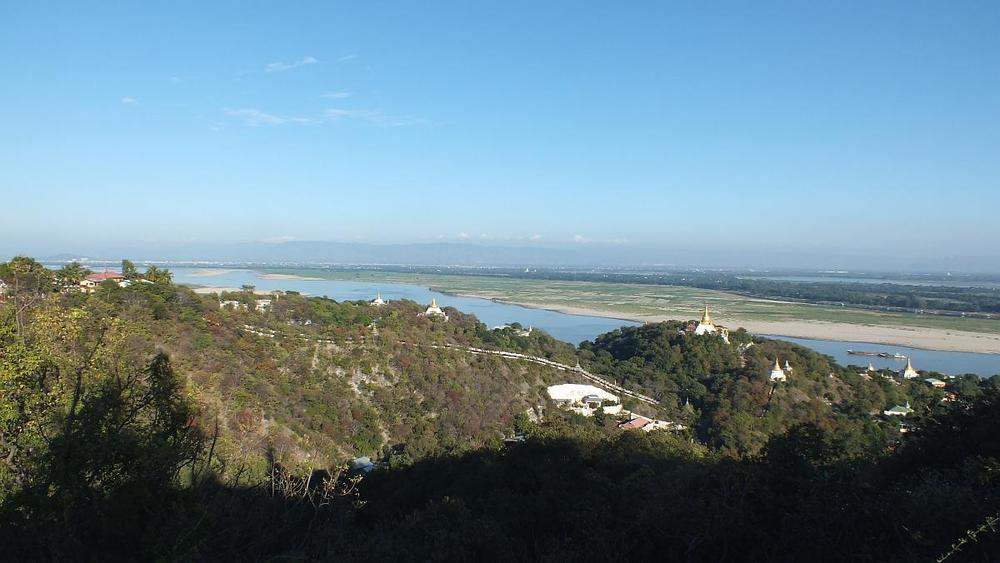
[(481, 254), (349, 253)]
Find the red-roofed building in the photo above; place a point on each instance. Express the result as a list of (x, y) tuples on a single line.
[(635, 424), (95, 279)]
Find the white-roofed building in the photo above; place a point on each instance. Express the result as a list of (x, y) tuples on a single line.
[(898, 410), (584, 399)]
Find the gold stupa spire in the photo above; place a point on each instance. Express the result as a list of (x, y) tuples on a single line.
[(434, 302), (777, 366), (706, 318)]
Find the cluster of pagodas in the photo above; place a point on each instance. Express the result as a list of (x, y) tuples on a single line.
[(779, 373), (432, 311)]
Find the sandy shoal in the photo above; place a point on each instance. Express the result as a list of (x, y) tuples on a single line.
[(209, 272), (918, 337), (288, 277)]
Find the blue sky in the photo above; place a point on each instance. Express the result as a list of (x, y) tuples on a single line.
[(868, 126)]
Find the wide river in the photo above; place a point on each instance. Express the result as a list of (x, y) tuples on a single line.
[(569, 328)]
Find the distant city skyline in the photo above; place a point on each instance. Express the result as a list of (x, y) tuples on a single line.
[(767, 132)]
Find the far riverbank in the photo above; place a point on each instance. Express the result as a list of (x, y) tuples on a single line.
[(923, 338), (620, 307)]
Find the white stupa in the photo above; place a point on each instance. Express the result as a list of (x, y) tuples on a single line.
[(706, 326), (434, 310), (777, 374), (908, 372), (788, 367), (378, 301)]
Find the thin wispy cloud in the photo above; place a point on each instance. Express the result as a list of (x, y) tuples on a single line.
[(345, 58), (272, 67), (374, 117), (336, 114), (255, 117), (335, 95), (464, 236), (129, 101), (579, 238)]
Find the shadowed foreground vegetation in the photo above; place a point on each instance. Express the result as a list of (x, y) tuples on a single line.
[(145, 422), (567, 493)]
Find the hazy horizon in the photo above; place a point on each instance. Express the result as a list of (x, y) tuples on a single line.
[(487, 254), (646, 133)]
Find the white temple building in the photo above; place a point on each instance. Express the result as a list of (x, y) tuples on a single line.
[(378, 301), (584, 399), (898, 410), (908, 372), (434, 310), (777, 374), (788, 367), (706, 326)]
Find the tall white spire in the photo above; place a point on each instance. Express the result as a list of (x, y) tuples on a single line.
[(777, 374)]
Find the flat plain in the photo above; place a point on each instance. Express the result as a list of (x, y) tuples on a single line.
[(664, 302)]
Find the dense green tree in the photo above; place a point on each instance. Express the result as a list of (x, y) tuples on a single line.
[(129, 270), (71, 274), (158, 275)]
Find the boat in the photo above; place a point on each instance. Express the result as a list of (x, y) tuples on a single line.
[(889, 355), (863, 353)]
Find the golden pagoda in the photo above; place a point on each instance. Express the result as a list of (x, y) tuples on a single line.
[(434, 310), (706, 326)]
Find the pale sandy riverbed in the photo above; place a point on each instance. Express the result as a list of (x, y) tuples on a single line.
[(209, 272), (924, 338), (289, 277)]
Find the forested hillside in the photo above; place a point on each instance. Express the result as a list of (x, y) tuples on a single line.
[(141, 420)]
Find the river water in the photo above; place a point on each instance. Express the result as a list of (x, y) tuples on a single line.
[(951, 363), (566, 327)]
